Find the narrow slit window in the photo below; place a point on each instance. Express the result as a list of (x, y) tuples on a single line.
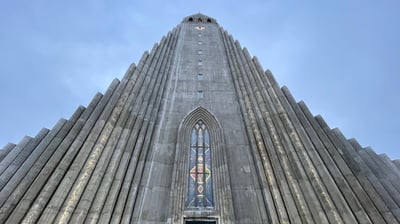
[(200, 94)]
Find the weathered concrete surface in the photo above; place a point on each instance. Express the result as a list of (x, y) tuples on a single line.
[(125, 158)]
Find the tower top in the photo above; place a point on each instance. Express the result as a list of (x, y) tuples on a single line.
[(199, 18)]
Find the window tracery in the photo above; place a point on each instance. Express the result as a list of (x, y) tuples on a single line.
[(200, 192)]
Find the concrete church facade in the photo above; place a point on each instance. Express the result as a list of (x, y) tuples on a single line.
[(196, 132)]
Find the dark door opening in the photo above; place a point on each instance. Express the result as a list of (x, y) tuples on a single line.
[(200, 222)]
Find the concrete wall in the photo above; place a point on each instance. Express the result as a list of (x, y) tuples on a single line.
[(124, 157)]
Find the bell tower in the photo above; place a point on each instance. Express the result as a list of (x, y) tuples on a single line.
[(196, 133)]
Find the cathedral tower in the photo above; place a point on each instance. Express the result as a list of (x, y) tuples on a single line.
[(196, 132)]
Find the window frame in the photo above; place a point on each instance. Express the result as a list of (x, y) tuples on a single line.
[(200, 177)]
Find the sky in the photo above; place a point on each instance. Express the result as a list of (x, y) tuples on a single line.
[(342, 58)]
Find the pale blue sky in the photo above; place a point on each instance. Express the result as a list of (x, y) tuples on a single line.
[(341, 58)]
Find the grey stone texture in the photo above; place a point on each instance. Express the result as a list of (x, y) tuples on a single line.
[(125, 157)]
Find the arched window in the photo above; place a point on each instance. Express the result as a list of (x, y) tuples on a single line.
[(190, 19), (200, 192), (200, 150)]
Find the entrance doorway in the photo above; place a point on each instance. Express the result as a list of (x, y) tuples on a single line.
[(200, 222)]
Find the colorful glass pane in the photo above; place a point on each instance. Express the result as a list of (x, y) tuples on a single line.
[(206, 138), (193, 141), (200, 138), (200, 193)]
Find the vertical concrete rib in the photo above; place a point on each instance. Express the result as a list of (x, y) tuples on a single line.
[(117, 158), (69, 184), (138, 202), (126, 200), (137, 122), (287, 210), (63, 164), (4, 151), (138, 90), (11, 178), (79, 218), (313, 185), (397, 164), (80, 184), (283, 146), (335, 154), (370, 182), (318, 175), (325, 188), (269, 202), (305, 150), (68, 193), (276, 130), (38, 176), (17, 170), (96, 166), (93, 185), (387, 167), (16, 188), (9, 158), (379, 173), (162, 74), (270, 103), (375, 205), (336, 184), (22, 156)]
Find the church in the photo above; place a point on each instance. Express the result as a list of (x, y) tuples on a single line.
[(196, 132)]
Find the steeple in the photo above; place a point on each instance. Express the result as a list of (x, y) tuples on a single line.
[(196, 132), (199, 18)]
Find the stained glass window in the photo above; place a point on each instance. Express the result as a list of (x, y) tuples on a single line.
[(200, 193)]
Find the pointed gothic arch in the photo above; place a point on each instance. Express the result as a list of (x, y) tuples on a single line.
[(218, 189)]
